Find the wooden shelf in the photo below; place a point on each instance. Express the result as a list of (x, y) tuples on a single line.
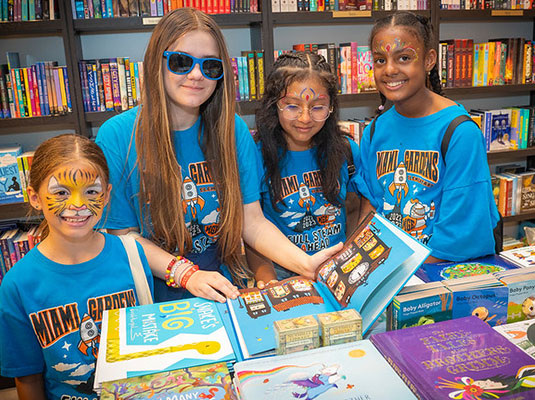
[(10, 123), (503, 89), (30, 27), (489, 15), (497, 157), (519, 217), (14, 210), (148, 23), (329, 17)]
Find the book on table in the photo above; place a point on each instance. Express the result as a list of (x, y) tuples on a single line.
[(458, 359), (523, 256), (347, 371), (211, 381), (374, 264), (520, 333), (159, 337)]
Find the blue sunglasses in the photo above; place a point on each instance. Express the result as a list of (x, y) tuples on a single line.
[(182, 63)]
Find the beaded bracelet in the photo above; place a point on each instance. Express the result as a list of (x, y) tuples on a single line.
[(187, 274), (171, 269)]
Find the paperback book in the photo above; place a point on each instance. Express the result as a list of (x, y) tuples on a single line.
[(374, 264), (452, 270), (521, 333), (211, 381), (458, 359), (343, 372), (521, 286), (10, 185), (523, 256), (160, 337)]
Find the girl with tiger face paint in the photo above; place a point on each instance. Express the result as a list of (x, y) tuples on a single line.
[(72, 268)]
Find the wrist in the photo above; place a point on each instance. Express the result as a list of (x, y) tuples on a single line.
[(174, 266), (187, 274)]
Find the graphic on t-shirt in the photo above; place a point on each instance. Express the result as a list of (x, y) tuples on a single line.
[(405, 201), (201, 206), (72, 342), (306, 201)]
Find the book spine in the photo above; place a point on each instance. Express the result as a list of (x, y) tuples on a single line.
[(128, 79), (57, 86), (10, 95), (100, 87), (22, 94), (67, 89), (22, 177), (115, 85), (122, 83), (27, 93), (259, 61), (133, 84), (40, 89), (137, 83), (4, 97), (36, 92), (92, 86), (106, 81), (82, 66), (51, 87)]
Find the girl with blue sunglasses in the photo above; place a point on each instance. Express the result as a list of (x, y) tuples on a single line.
[(184, 168)]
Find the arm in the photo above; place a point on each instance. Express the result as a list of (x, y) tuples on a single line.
[(262, 268), (264, 237), (352, 204), (207, 284), (365, 208), (31, 387)]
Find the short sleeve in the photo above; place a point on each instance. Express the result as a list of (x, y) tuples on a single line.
[(352, 185), (247, 162), (362, 178), (20, 353), (468, 213), (146, 268), (114, 138)]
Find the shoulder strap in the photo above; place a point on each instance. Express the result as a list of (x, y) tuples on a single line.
[(349, 157), (372, 127), (138, 273), (449, 132)]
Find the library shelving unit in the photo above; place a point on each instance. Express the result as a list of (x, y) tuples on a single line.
[(261, 28)]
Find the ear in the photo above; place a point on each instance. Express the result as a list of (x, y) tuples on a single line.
[(33, 197), (430, 60)]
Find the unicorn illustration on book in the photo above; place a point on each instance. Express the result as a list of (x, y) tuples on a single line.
[(318, 384)]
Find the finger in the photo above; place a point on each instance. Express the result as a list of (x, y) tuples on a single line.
[(226, 288), (330, 251), (212, 294), (260, 284)]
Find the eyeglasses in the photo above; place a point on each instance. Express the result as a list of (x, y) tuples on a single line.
[(317, 113), (181, 63)]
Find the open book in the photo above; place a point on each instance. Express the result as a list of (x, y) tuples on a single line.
[(374, 264)]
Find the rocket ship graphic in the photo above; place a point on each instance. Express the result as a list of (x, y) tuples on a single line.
[(400, 182), (190, 197), (305, 198), (90, 336)]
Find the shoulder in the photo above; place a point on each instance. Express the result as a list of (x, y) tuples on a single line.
[(20, 272), (243, 135), (117, 128)]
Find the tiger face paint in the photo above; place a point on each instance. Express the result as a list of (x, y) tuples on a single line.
[(75, 192)]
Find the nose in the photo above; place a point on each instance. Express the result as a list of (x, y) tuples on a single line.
[(77, 202), (196, 73), (305, 114), (391, 68)]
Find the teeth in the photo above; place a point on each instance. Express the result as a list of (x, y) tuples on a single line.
[(394, 84), (75, 219)]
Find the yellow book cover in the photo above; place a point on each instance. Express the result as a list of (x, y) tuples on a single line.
[(28, 99), (133, 83), (491, 61), (249, 55), (62, 88)]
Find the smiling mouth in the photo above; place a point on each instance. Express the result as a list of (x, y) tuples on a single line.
[(76, 220), (394, 85)]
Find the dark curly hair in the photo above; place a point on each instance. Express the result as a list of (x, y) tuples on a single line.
[(423, 29), (329, 141)]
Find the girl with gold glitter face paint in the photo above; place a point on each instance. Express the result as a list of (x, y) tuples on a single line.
[(75, 192)]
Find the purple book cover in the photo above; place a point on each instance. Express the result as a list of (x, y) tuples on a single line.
[(458, 359)]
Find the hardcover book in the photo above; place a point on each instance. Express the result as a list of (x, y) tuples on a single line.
[(10, 185), (343, 372), (523, 257), (521, 333), (453, 270), (211, 381), (374, 264), (521, 286), (160, 337), (458, 359)]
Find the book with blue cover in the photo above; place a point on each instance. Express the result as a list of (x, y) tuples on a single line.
[(161, 337), (374, 264), (343, 372), (461, 269), (10, 185)]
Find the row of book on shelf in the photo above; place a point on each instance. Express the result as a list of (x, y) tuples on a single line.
[(448, 355), (504, 61), (15, 242), (347, 5), (41, 89), (486, 4), (514, 189), (93, 9), (28, 10)]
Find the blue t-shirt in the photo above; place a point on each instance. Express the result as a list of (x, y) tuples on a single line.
[(200, 201), (447, 205), (306, 218), (50, 316)]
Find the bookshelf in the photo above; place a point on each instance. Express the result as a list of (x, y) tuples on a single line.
[(262, 29)]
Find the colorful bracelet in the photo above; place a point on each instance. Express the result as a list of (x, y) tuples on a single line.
[(171, 269), (187, 274)]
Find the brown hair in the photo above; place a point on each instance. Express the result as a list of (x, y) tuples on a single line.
[(159, 171), (62, 149)]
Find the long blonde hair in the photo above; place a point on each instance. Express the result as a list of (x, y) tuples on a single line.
[(159, 171)]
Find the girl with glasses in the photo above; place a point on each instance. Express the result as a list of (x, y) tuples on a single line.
[(305, 173), (183, 167)]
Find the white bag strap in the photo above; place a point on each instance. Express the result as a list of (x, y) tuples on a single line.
[(138, 273)]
